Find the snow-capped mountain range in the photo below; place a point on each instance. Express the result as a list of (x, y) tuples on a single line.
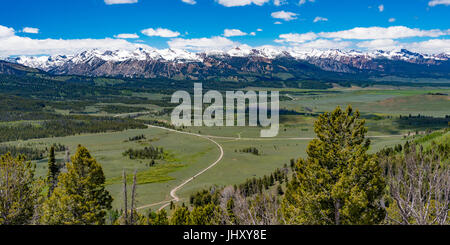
[(264, 61)]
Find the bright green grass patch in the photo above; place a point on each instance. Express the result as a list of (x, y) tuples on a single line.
[(153, 175), (439, 137), (429, 137)]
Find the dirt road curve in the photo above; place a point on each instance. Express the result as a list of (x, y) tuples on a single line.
[(173, 192)]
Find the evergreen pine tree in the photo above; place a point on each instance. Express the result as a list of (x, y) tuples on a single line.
[(161, 218), (208, 214), (339, 182), (181, 216), (53, 170), (80, 196)]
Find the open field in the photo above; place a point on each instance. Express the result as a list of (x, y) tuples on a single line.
[(189, 154)]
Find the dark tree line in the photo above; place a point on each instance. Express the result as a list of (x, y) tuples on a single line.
[(251, 150), (58, 147), (65, 126), (122, 109), (149, 152), (423, 121), (136, 138), (28, 152)]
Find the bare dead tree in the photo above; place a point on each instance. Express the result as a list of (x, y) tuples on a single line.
[(130, 216), (125, 202), (265, 209), (67, 156), (419, 183), (133, 199), (258, 209)]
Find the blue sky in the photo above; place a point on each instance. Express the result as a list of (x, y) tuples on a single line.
[(30, 27)]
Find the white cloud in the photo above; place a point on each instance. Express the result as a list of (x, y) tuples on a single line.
[(16, 45), (236, 3), (434, 46), (6, 31), (252, 33), (438, 2), (30, 30), (324, 44), (379, 44), (277, 23), (381, 8), (233, 33), (304, 1), (287, 16), (392, 32), (127, 36), (318, 18), (110, 2), (296, 38), (160, 32), (371, 38), (201, 44), (279, 2), (259, 29), (391, 20), (189, 1)]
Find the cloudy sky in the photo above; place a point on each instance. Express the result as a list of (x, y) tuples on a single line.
[(30, 27)]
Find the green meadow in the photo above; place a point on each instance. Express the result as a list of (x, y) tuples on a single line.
[(186, 155)]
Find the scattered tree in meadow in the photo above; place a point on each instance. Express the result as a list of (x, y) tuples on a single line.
[(149, 152), (80, 196), (339, 182)]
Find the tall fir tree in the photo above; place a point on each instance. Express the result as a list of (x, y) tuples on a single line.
[(80, 196), (181, 216), (339, 182), (53, 170)]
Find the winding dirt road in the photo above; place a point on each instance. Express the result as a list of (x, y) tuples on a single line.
[(173, 192)]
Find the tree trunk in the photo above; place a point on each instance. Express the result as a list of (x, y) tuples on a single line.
[(133, 198), (125, 197), (337, 206)]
